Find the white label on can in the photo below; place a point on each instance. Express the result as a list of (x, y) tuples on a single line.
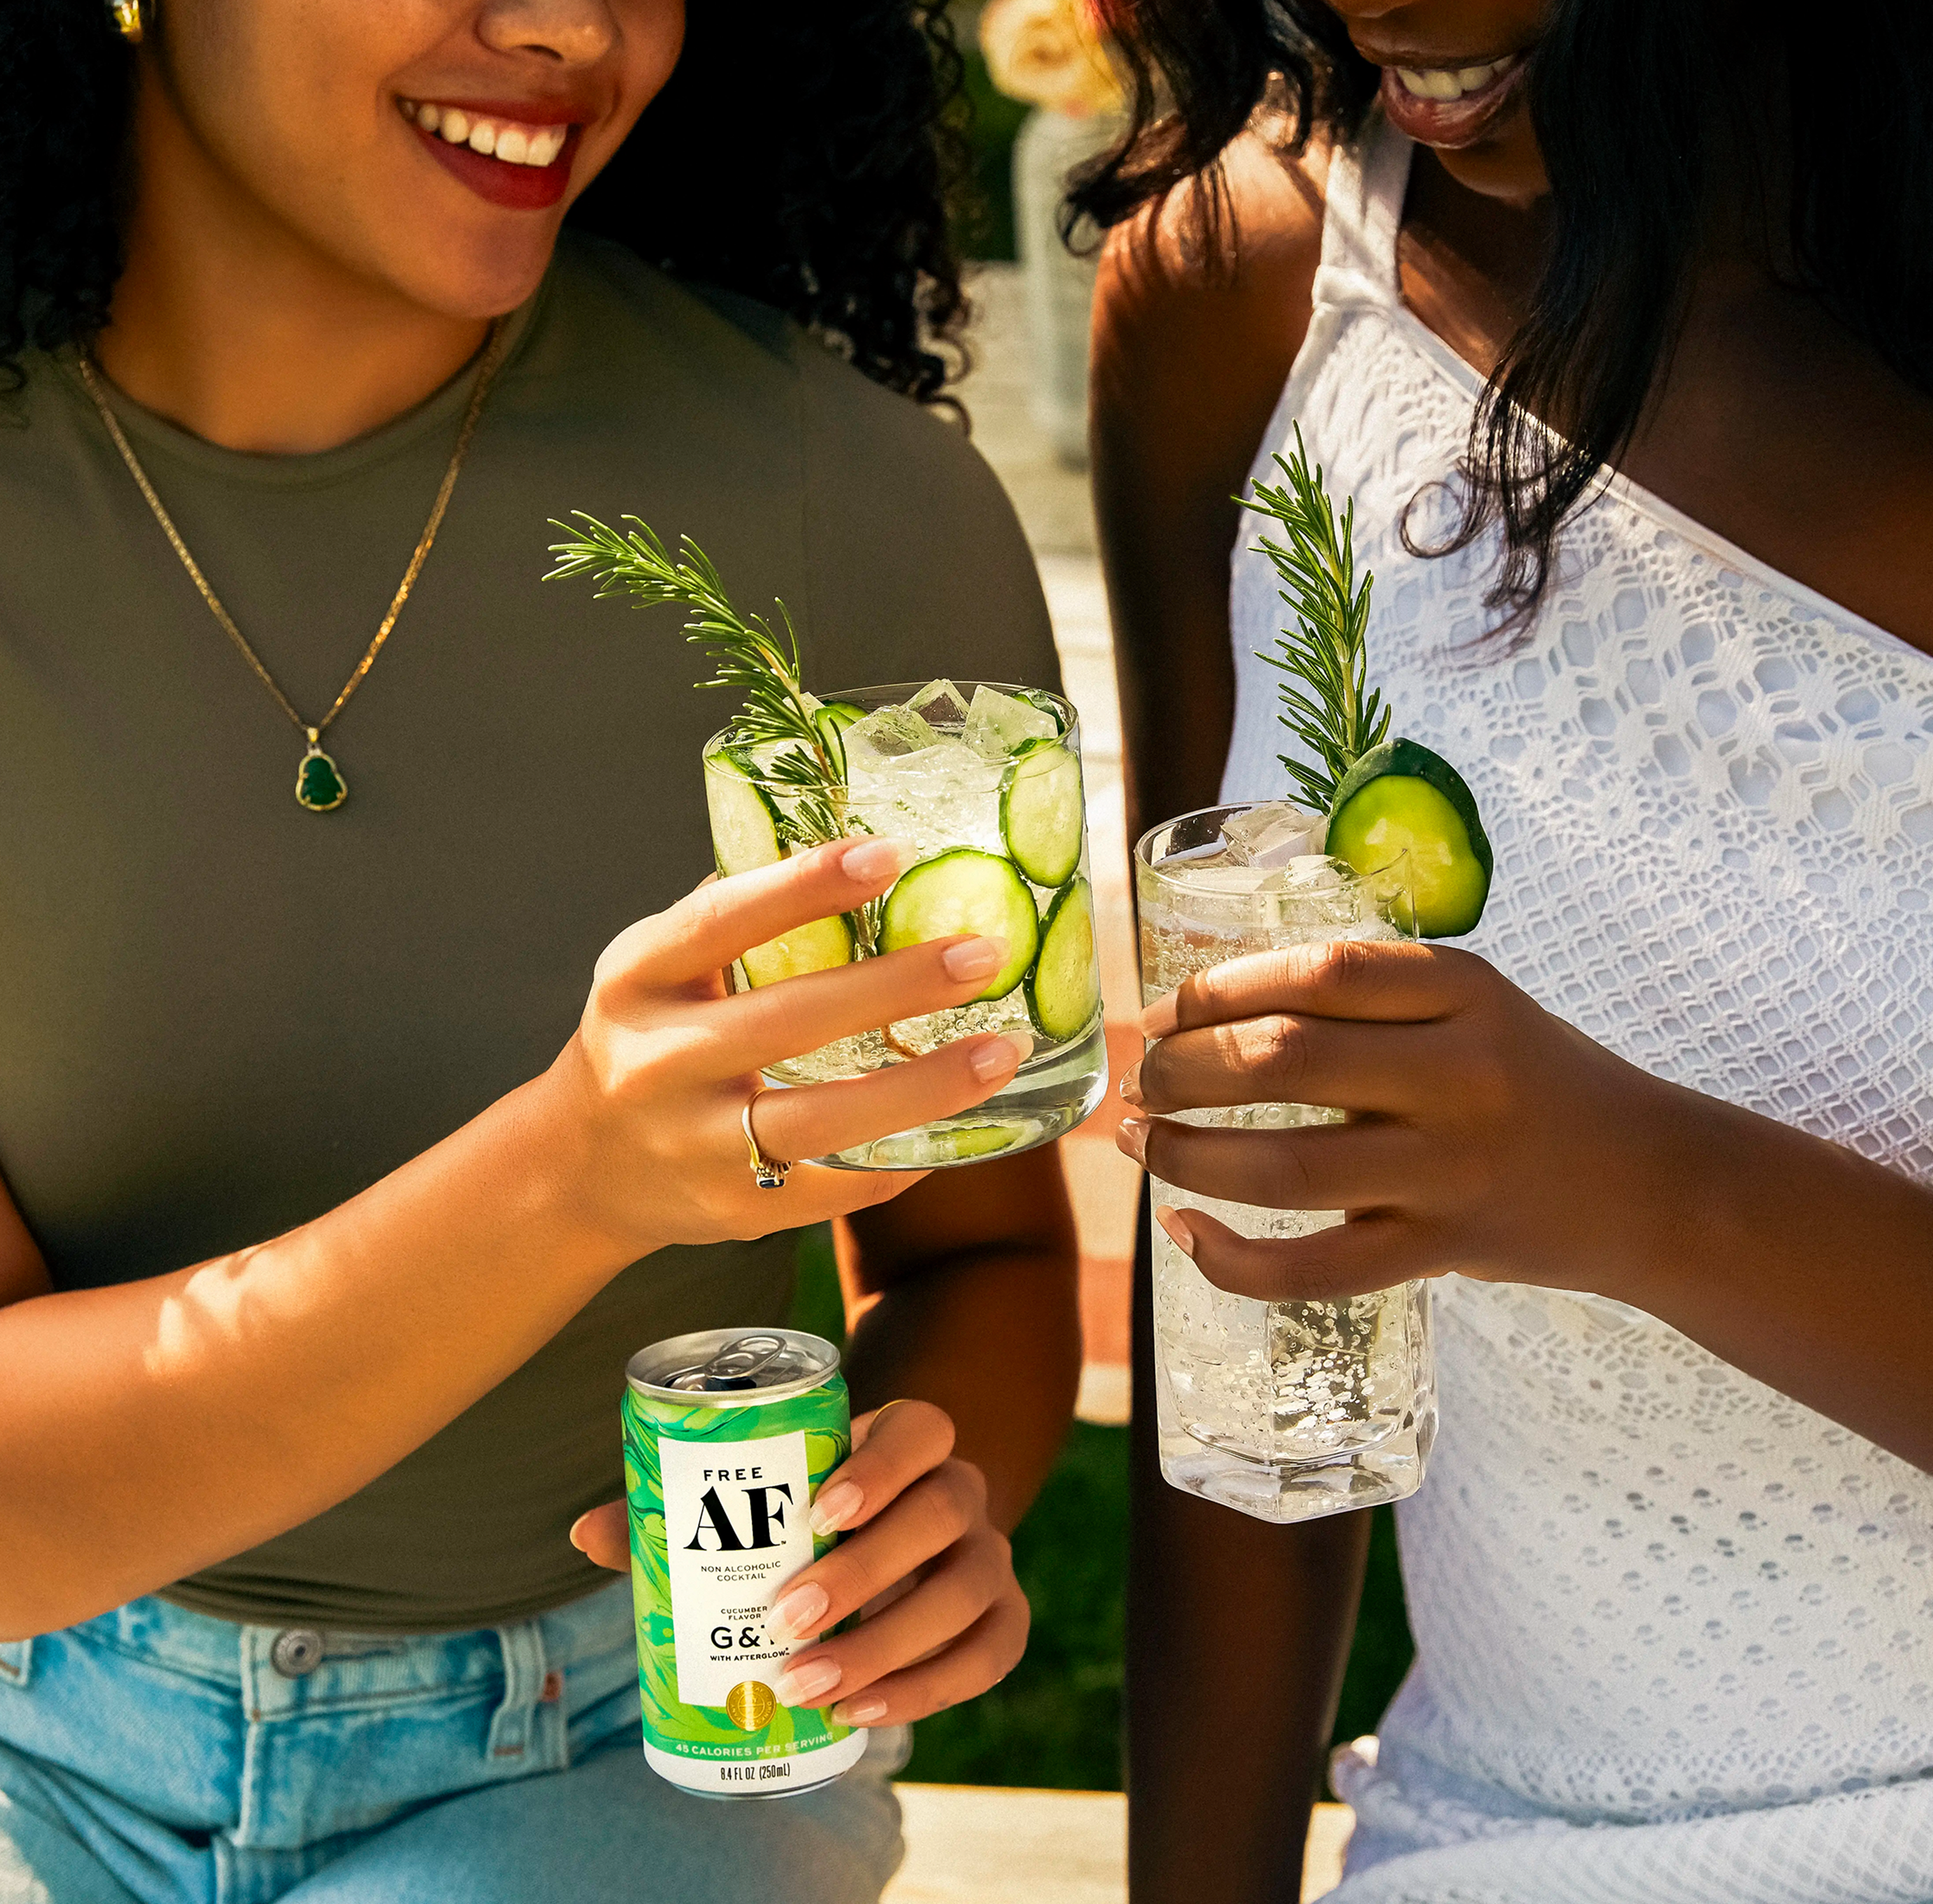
[(735, 1532)]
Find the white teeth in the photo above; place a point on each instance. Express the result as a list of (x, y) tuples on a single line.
[(514, 145), (1442, 82)]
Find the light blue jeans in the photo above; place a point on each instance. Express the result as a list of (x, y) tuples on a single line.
[(157, 1756)]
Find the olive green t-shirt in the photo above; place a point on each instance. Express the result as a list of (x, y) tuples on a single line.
[(221, 1015)]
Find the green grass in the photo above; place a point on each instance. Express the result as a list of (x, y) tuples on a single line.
[(1056, 1719)]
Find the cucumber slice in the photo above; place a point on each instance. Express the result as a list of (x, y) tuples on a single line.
[(836, 716), (1064, 991), (965, 891), (744, 822), (1040, 814), (1402, 798), (816, 946)]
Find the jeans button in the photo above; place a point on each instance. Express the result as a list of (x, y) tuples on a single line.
[(295, 1653)]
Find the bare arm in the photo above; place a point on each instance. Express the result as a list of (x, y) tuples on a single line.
[(22, 1273), (297, 1370), (1489, 1138), (1225, 1615), (963, 1293)]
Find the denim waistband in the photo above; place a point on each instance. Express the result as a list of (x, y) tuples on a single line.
[(320, 1732)]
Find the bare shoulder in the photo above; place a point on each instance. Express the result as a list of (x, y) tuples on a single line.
[(1188, 362), (1175, 325)]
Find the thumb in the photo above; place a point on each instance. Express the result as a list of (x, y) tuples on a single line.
[(604, 1535)]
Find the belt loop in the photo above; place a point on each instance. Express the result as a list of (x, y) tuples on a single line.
[(523, 1688), (16, 1662)]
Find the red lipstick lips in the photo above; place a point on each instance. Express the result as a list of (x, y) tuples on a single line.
[(515, 187)]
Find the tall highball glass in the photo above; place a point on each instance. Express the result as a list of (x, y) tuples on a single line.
[(1282, 1410)]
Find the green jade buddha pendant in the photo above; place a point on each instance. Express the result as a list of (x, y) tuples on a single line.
[(319, 786)]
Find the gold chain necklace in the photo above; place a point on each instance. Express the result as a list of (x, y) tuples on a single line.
[(319, 785)]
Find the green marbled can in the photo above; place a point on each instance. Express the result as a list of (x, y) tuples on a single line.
[(728, 1434)]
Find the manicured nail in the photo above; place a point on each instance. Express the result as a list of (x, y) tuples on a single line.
[(872, 860), (974, 959), (806, 1679), (1179, 1234), (1132, 1136), (837, 1506), (797, 1614), (859, 1712), (1131, 1085), (998, 1056)]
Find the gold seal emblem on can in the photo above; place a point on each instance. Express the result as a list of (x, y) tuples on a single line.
[(749, 1705)]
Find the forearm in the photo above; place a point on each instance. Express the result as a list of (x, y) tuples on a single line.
[(992, 1338), (1796, 1260), (151, 1428)]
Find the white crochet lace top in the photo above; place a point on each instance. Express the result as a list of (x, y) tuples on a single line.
[(1675, 1632)]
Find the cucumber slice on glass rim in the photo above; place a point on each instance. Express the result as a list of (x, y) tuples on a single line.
[(1403, 798), (1040, 814), (965, 890), (745, 831), (1064, 989)]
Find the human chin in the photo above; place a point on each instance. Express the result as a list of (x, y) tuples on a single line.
[(469, 266)]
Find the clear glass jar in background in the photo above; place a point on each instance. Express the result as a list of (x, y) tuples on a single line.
[(1282, 1410)]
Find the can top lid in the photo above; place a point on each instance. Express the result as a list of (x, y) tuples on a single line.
[(737, 1362)]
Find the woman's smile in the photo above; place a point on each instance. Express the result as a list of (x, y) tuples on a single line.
[(1449, 105), (517, 154)]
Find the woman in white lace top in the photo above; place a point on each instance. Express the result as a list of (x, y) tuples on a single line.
[(1665, 1128)]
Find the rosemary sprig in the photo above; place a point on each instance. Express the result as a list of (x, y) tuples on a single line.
[(748, 653), (1326, 702)]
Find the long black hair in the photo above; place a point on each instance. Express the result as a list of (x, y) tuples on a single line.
[(1636, 104), (803, 155)]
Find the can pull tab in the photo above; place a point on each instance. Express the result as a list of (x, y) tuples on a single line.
[(737, 1365)]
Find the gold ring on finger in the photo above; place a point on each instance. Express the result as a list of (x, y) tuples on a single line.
[(768, 1173)]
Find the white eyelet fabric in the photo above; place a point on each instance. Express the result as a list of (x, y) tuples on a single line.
[(1675, 1631)]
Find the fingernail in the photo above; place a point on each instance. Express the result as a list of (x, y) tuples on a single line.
[(807, 1679), (974, 959), (873, 860), (1132, 1137), (837, 1506), (859, 1712), (998, 1056), (1179, 1234), (797, 1614), (1131, 1085)]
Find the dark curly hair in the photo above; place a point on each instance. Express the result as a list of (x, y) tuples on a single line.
[(803, 155), (1633, 102)]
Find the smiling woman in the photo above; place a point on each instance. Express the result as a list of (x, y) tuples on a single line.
[(351, 1142)]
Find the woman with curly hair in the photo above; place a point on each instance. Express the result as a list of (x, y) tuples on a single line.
[(335, 1210), (1616, 323)]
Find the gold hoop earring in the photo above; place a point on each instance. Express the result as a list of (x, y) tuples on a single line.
[(128, 20)]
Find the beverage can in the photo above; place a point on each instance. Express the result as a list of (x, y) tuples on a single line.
[(728, 1434)]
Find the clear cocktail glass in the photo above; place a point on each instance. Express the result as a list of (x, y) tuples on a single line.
[(984, 780), (1283, 1410)]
